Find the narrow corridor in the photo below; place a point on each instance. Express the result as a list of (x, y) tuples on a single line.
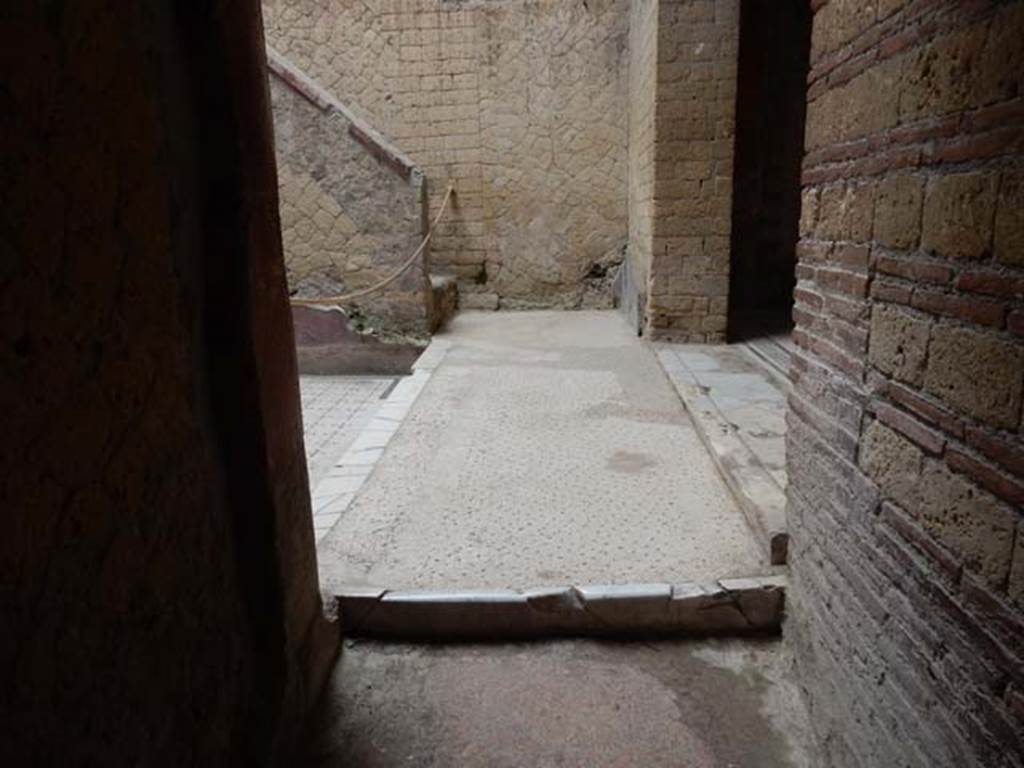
[(528, 451)]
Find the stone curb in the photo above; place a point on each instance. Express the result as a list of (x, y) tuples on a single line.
[(728, 607), (333, 495), (759, 496)]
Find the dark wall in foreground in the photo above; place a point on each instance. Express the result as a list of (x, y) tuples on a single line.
[(157, 570), (906, 459)]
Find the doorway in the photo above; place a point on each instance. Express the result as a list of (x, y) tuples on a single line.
[(770, 111)]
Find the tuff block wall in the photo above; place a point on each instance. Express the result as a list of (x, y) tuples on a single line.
[(523, 105), (352, 207), (906, 460), (159, 591), (683, 92)]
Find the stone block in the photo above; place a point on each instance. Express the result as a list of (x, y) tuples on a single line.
[(958, 215), (977, 373), (636, 607), (1001, 71), (858, 212), (874, 98), (478, 300), (846, 212), (887, 8), (559, 603), (732, 606), (1016, 584), (898, 211), (761, 600), (1009, 227), (354, 603), (830, 212), (463, 614), (706, 610), (898, 343), (808, 211), (972, 523), (943, 77), (839, 22), (893, 462)]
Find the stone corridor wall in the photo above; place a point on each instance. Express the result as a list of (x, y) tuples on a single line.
[(521, 104), (905, 450), (352, 207)]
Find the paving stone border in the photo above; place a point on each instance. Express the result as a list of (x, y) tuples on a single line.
[(333, 495), (727, 607), (759, 495)]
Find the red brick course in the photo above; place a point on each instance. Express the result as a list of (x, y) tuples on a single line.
[(910, 312)]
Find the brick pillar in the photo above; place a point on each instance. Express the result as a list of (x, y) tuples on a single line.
[(906, 462), (688, 280)]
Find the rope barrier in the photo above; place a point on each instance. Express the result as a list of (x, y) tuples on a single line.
[(387, 281)]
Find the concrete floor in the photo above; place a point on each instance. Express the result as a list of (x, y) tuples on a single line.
[(709, 704), (547, 448)]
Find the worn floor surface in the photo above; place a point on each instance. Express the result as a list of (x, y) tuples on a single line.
[(708, 704), (746, 400), (546, 448)]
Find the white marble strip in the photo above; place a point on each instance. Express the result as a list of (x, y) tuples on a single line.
[(333, 495), (727, 607)]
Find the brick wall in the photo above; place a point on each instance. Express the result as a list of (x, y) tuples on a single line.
[(523, 105), (906, 461), (687, 283), (352, 207)]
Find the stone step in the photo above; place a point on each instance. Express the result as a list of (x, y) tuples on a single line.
[(727, 607), (444, 300)]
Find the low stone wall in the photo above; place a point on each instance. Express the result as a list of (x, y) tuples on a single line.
[(352, 206)]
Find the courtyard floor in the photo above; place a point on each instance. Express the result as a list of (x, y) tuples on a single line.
[(536, 448), (529, 450)]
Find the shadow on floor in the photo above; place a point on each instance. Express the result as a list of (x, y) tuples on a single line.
[(564, 703)]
